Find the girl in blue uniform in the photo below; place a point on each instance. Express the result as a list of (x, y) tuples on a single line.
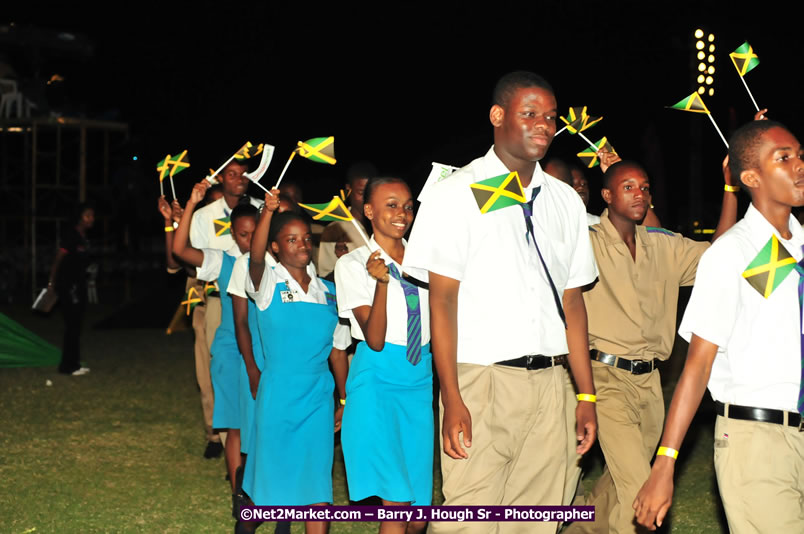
[(225, 364), (387, 435), (291, 453)]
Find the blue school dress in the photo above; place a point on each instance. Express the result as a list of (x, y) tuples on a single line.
[(224, 367), (291, 453), (387, 431), (247, 403)]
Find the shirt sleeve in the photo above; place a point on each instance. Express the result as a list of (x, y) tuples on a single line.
[(211, 266), (713, 306), (687, 254), (199, 232), (352, 279), (263, 296), (439, 241), (237, 282), (583, 269), (341, 338)]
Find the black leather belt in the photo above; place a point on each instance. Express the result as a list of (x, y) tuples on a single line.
[(534, 362), (635, 367), (762, 415)]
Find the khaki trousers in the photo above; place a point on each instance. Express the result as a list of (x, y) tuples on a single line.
[(518, 454), (760, 474), (203, 341), (630, 415)]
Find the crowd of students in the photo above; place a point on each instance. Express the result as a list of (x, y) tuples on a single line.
[(547, 325)]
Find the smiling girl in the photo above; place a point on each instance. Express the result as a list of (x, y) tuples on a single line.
[(387, 434)]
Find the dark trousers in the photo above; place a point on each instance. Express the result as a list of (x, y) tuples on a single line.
[(73, 304)]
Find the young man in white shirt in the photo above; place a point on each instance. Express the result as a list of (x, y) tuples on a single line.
[(744, 325), (506, 309)]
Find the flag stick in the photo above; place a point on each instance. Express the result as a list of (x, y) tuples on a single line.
[(718, 129), (749, 93), (258, 184), (292, 154), (172, 187), (161, 188), (561, 130), (212, 176), (591, 144), (362, 233)]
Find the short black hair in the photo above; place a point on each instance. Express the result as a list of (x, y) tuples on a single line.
[(374, 183), (744, 146), (360, 170), (243, 209), (618, 168), (509, 83), (280, 220)]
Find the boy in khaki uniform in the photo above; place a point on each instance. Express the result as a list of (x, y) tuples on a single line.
[(744, 324), (632, 317)]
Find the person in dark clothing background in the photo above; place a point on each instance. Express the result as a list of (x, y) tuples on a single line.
[(68, 277)]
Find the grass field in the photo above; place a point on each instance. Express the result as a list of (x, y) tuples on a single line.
[(119, 450)]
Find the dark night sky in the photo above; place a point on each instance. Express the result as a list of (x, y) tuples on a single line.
[(403, 84)]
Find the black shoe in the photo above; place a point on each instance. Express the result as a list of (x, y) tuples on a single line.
[(214, 450), (238, 497)]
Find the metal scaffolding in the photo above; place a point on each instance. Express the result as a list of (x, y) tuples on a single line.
[(47, 165)]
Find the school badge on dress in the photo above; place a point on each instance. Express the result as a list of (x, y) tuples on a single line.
[(770, 267)]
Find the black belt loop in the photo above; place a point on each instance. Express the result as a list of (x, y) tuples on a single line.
[(534, 362), (635, 367), (760, 415)]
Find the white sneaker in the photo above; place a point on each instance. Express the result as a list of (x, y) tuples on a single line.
[(79, 372)]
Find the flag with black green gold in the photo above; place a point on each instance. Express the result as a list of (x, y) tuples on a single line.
[(770, 267), (334, 210), (318, 149), (589, 156), (744, 59), (498, 192)]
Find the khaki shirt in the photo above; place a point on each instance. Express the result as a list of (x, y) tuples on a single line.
[(632, 307)]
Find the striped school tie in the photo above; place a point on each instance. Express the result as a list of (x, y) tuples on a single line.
[(414, 345), (527, 209), (800, 271)]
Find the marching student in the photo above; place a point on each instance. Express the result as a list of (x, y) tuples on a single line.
[(292, 449), (387, 434), (744, 325), (214, 264)]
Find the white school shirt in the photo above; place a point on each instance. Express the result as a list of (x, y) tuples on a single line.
[(237, 282), (316, 294), (213, 261), (202, 227), (356, 288), (758, 362), (506, 308)]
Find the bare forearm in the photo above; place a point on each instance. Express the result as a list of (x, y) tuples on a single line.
[(170, 260), (578, 340), (374, 324), (689, 391), (181, 247), (728, 214), (242, 331), (259, 243), (340, 369), (444, 321)]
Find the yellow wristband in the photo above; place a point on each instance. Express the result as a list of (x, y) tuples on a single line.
[(343, 402), (667, 451), (586, 397), (169, 229), (731, 188)]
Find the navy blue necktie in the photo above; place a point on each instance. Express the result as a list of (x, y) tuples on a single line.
[(527, 209)]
